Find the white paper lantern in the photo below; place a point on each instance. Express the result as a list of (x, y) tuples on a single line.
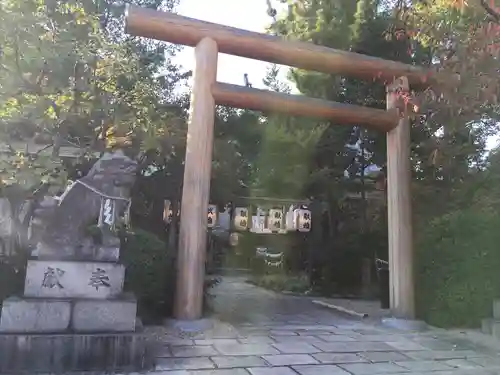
[(241, 218), (212, 215), (302, 220), (275, 219)]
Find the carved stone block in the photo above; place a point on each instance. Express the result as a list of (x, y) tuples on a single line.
[(31, 315), (104, 316), (70, 279)]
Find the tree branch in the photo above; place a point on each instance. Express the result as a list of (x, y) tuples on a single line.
[(492, 12)]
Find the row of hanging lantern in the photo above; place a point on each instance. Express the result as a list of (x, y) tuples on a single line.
[(277, 221)]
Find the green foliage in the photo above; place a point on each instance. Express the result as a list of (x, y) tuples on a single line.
[(282, 283), (457, 254), (150, 274), (458, 264), (283, 166), (69, 75)]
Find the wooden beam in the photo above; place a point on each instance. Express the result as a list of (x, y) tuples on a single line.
[(177, 29), (298, 105), (196, 187), (402, 288)]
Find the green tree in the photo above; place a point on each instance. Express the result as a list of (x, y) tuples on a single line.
[(68, 74)]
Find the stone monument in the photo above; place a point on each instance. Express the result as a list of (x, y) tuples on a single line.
[(73, 292)]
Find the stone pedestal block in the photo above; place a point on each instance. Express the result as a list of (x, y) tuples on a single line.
[(495, 328), (71, 279), (104, 316), (31, 315), (496, 309), (487, 326)]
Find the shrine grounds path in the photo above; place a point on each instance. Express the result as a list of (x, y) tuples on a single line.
[(257, 332)]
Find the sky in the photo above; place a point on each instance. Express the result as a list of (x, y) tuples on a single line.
[(243, 14)]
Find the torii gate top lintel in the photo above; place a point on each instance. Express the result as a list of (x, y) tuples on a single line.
[(173, 28)]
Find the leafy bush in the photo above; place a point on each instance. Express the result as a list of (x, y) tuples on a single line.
[(458, 263), (150, 274)]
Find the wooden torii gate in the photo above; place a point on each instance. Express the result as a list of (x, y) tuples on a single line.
[(211, 39)]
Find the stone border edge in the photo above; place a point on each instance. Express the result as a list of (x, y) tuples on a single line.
[(340, 309)]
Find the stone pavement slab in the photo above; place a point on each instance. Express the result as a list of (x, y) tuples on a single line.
[(372, 368), (246, 349), (290, 359), (193, 351), (424, 365), (271, 371), (198, 363), (320, 370), (238, 361), (384, 356), (339, 358), (296, 348)]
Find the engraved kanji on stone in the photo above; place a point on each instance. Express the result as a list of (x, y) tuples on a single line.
[(99, 279), (51, 278)]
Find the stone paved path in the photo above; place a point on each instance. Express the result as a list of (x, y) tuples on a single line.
[(262, 333)]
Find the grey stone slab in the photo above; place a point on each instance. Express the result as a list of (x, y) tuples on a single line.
[(496, 309), (271, 371), (193, 351), (339, 358), (405, 345), (290, 359), (235, 371), (336, 338), (30, 315), (216, 341), (424, 366), (443, 354), (463, 364), (353, 347), (320, 370), (296, 348), (177, 341), (282, 333), (294, 339), (384, 356), (257, 340), (368, 331), (246, 349), (488, 362), (104, 315), (376, 338), (202, 372), (314, 332), (435, 344), (67, 279), (487, 326), (372, 368), (495, 328), (238, 361), (198, 363)]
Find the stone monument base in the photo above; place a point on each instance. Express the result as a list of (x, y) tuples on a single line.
[(44, 315), (62, 353)]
